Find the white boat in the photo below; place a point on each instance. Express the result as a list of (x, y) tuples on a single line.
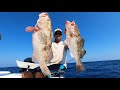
[(20, 64), (4, 72), (12, 75)]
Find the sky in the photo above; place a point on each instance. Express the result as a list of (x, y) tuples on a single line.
[(101, 31)]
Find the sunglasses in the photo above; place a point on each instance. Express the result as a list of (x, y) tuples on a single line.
[(58, 33)]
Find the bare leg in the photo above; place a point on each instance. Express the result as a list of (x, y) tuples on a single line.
[(27, 74), (39, 75)]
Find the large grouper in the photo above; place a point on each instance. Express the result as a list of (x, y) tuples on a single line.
[(41, 41)]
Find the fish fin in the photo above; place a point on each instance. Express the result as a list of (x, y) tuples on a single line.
[(82, 42), (30, 29), (73, 22), (52, 36), (49, 55), (79, 67), (82, 53), (72, 55), (65, 31)]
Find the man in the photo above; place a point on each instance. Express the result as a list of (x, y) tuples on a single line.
[(59, 50), (57, 61)]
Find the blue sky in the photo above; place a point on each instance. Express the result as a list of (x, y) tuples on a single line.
[(101, 31)]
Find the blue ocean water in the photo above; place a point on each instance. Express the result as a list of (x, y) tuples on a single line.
[(96, 69)]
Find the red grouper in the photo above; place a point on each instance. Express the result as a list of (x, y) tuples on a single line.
[(75, 43), (41, 41)]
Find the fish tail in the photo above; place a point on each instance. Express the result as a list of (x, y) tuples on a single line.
[(45, 70), (79, 66)]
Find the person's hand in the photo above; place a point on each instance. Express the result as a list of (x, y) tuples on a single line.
[(65, 43), (66, 46)]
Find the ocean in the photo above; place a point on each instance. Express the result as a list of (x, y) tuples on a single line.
[(95, 69)]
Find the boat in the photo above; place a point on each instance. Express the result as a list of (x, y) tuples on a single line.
[(21, 64), (12, 75)]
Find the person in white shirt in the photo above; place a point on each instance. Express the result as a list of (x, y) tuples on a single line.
[(59, 51), (57, 62)]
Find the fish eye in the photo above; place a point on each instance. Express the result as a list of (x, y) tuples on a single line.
[(48, 19), (72, 24)]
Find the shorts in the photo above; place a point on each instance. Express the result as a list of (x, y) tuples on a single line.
[(55, 70)]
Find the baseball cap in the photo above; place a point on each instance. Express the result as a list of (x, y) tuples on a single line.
[(58, 29)]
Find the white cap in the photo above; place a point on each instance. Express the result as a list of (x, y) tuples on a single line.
[(58, 29)]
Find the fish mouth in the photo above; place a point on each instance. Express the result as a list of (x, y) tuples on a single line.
[(67, 22), (70, 23)]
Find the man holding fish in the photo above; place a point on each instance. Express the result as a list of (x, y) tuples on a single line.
[(52, 55)]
